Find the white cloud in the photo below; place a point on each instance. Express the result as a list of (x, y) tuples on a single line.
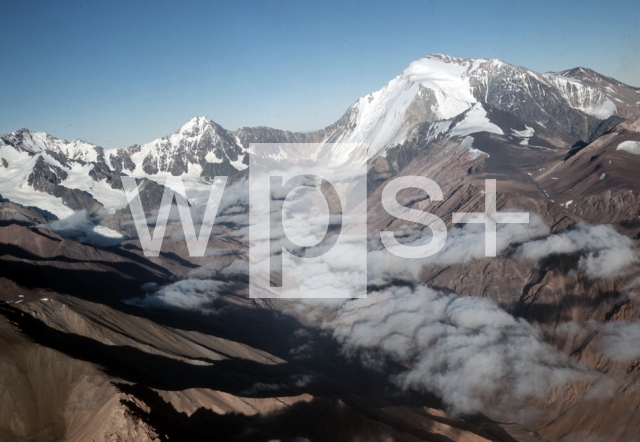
[(631, 289), (217, 269), (608, 263), (466, 350), (606, 253), (464, 244), (82, 228), (620, 340), (187, 294)]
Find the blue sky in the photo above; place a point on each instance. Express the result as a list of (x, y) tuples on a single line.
[(115, 73)]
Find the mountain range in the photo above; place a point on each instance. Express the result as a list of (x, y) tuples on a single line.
[(99, 342), (441, 92)]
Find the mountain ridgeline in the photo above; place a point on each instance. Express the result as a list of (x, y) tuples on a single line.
[(432, 95)]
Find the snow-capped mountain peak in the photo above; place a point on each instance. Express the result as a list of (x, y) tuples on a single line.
[(439, 87), (195, 125), (41, 142), (445, 93), (432, 88)]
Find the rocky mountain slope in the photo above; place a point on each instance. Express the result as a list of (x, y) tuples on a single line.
[(99, 342)]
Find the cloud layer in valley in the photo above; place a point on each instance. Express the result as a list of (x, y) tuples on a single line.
[(83, 228), (468, 351), (464, 244), (187, 294), (605, 252)]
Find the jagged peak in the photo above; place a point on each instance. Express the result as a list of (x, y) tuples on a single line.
[(456, 66), (579, 70), (459, 60), (196, 123), (26, 133), (22, 133), (192, 129), (448, 58)]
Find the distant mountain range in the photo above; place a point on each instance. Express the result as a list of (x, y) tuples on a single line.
[(436, 95)]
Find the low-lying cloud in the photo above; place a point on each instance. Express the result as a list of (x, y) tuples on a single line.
[(468, 351), (620, 340), (464, 244), (187, 294), (606, 253), (238, 267), (83, 228)]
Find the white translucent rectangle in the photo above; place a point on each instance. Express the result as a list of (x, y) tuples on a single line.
[(313, 243)]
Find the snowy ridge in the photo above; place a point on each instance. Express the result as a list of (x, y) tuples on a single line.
[(40, 142), (198, 141), (20, 152), (622, 95), (440, 87), (453, 96), (200, 149), (589, 100), (430, 89), (475, 120)]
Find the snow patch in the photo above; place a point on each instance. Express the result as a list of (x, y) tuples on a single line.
[(603, 111), (467, 143), (239, 165), (630, 146), (526, 133), (212, 158), (475, 121)]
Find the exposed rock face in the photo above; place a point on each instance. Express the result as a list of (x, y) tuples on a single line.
[(122, 161), (631, 124), (11, 213), (47, 395), (47, 178), (150, 194), (102, 172), (555, 103)]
